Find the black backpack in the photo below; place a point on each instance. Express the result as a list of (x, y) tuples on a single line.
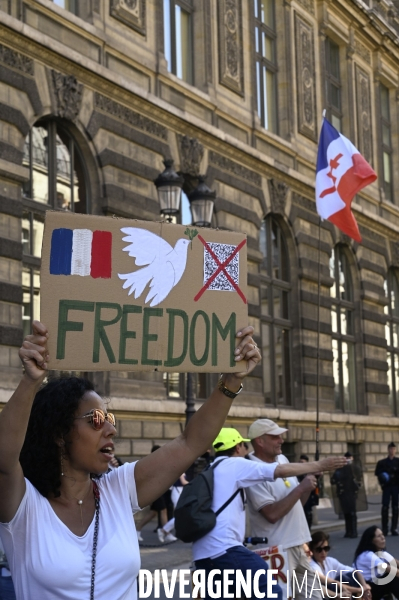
[(194, 516)]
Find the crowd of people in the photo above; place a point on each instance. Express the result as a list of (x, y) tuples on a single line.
[(67, 504)]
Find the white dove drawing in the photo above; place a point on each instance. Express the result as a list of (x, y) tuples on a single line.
[(165, 265)]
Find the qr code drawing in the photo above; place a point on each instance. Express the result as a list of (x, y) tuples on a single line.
[(222, 252)]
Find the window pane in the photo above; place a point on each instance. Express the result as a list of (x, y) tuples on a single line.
[(336, 122), (266, 361), (264, 247), (269, 100), (348, 376), (26, 233), (264, 300), (390, 380), (334, 59), (64, 199), (333, 289), (285, 314), (38, 228), (267, 47), (387, 167), (337, 394), (167, 33), (80, 199), (346, 322), (396, 379), (384, 102), (335, 96), (282, 365), (334, 319), (172, 384), (259, 89), (386, 135), (40, 186), (183, 44), (394, 295), (395, 335), (267, 12)]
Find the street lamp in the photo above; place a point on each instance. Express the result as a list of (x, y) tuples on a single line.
[(202, 200), (169, 185)]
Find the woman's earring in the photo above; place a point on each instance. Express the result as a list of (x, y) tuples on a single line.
[(62, 464)]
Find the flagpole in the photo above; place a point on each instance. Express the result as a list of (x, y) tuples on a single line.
[(317, 453)]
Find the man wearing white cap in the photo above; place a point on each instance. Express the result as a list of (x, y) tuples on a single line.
[(222, 548), (276, 509)]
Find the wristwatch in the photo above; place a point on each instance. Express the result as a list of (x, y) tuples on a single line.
[(226, 391)]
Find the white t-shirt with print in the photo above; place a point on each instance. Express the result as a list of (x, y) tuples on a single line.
[(49, 562), (291, 530), (229, 531), (371, 564)]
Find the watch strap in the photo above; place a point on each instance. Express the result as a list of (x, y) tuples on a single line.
[(222, 388)]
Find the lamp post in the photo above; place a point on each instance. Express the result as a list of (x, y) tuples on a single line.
[(202, 201), (169, 186)]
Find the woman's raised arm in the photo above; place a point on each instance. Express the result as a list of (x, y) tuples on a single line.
[(14, 420), (155, 473)]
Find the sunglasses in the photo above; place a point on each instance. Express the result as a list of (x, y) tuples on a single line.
[(97, 418), (322, 549)]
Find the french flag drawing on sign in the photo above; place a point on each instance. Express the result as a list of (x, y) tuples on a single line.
[(81, 252), (340, 174)]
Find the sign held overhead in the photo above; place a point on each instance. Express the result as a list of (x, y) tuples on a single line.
[(126, 295)]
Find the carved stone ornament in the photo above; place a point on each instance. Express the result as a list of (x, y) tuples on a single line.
[(15, 60), (305, 69), (129, 116), (191, 154), (363, 51), (130, 12), (230, 45), (236, 169), (278, 195), (307, 5), (68, 92), (365, 140)]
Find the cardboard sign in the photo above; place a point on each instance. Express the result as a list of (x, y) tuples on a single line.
[(277, 559), (127, 295)]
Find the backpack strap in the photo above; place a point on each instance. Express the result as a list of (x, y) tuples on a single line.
[(225, 505)]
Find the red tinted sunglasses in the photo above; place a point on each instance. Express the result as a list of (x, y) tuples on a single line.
[(97, 418)]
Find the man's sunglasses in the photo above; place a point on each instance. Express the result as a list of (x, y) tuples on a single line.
[(97, 418), (322, 548)]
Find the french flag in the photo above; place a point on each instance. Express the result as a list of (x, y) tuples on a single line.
[(340, 174), (81, 252)]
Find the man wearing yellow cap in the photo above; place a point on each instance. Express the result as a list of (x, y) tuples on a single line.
[(222, 548), (275, 509)]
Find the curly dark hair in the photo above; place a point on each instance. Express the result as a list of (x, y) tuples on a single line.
[(51, 418)]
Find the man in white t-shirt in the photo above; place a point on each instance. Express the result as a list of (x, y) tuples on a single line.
[(276, 509), (222, 548)]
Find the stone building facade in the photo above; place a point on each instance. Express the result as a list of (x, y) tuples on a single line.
[(93, 96)]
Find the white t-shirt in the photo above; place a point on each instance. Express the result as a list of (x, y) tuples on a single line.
[(332, 566), (291, 530), (368, 562), (49, 562), (229, 531)]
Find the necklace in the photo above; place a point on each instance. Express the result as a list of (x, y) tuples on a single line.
[(80, 504)]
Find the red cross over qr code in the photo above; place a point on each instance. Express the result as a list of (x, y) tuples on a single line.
[(221, 282)]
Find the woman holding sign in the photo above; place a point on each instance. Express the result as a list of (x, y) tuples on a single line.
[(67, 531)]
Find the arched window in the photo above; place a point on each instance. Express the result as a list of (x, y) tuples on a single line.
[(391, 286), (276, 324), (57, 181), (343, 334)]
